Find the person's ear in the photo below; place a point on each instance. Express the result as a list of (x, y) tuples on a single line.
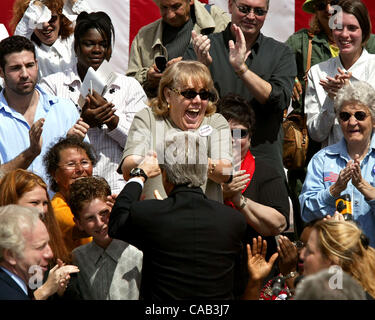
[(78, 223), (1, 73), (230, 2), (167, 94), (10, 257), (76, 47), (109, 54)]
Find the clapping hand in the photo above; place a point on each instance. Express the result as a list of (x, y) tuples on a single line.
[(201, 45), (237, 51), (288, 255), (332, 84)]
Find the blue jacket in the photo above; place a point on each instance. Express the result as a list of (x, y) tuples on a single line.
[(322, 171)]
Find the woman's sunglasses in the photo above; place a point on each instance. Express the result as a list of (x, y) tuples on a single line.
[(321, 5), (239, 133), (191, 94), (359, 115)]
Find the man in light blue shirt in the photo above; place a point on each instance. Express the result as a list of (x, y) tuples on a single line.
[(30, 120)]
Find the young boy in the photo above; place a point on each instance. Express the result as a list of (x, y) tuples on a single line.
[(110, 268)]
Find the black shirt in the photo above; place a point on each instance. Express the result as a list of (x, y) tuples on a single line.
[(274, 62)]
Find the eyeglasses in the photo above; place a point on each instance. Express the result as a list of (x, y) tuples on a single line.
[(247, 9), (191, 94), (359, 115), (321, 5), (85, 164), (239, 133)]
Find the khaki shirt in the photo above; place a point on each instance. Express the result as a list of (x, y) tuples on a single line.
[(148, 42), (149, 132)]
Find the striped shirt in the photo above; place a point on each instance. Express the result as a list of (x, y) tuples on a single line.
[(128, 97), (113, 273)]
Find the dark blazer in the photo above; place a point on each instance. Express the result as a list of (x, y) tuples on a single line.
[(9, 289), (193, 246)]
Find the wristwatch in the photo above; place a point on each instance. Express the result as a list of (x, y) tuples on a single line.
[(138, 172), (291, 274)]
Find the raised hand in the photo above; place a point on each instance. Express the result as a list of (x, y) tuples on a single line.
[(201, 45), (288, 255), (237, 51), (257, 265)]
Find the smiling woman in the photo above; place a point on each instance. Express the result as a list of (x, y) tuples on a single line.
[(346, 167), (46, 24), (186, 101), (66, 161), (350, 34)]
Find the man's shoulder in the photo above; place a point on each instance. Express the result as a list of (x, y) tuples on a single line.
[(272, 42), (56, 101), (148, 28)]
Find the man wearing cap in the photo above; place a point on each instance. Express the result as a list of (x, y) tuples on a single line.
[(170, 37)]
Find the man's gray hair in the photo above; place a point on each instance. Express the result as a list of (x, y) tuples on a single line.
[(325, 285), (14, 221), (185, 159), (357, 92)]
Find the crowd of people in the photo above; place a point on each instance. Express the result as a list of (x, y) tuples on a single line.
[(168, 183)]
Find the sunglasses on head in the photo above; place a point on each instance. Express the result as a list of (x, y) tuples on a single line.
[(247, 9), (321, 5), (191, 94), (359, 115), (239, 133)]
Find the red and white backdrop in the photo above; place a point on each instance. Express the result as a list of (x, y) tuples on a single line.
[(284, 17)]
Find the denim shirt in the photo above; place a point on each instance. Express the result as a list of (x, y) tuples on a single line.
[(322, 171), (59, 114)]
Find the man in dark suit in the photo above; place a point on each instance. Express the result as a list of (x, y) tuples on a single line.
[(24, 252), (192, 246)]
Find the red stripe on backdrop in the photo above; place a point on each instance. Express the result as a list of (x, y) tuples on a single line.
[(302, 18), (6, 12), (142, 12)]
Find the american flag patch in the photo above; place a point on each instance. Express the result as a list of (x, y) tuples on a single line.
[(330, 176)]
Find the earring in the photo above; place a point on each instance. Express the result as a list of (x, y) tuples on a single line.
[(169, 106)]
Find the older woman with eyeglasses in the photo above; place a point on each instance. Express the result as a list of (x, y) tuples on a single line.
[(66, 161), (186, 101), (347, 167)]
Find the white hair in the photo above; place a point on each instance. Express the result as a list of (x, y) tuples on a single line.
[(14, 221), (185, 159), (358, 92)]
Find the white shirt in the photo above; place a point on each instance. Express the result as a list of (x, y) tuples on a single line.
[(319, 108), (60, 56), (128, 97)]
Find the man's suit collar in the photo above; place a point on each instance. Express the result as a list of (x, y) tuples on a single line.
[(185, 188), (12, 283)]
